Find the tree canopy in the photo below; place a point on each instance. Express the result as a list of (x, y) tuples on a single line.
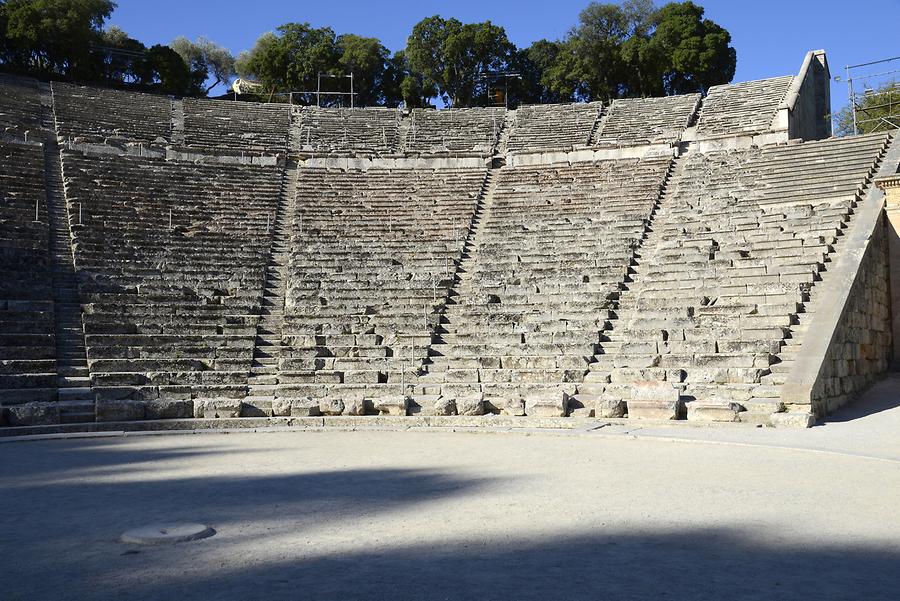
[(453, 57), (205, 59), (615, 50), (52, 36)]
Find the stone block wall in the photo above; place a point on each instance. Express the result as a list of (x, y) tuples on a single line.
[(861, 347)]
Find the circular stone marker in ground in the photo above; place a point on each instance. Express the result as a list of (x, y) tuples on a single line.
[(162, 534)]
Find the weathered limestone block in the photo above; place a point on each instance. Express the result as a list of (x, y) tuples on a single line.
[(793, 419), (546, 407), (256, 408), (217, 408), (33, 414), (469, 405), (654, 400), (606, 407), (168, 409), (391, 405), (331, 406), (281, 407), (304, 407), (120, 411), (444, 406), (713, 412), (514, 407), (355, 407)]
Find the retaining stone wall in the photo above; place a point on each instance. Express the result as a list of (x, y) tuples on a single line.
[(861, 349)]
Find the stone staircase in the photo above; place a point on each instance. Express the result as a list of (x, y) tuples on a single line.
[(263, 378), (433, 375), (177, 122), (75, 397), (597, 378), (598, 125), (506, 126)]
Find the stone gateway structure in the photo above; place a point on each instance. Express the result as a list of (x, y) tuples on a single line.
[(170, 261)]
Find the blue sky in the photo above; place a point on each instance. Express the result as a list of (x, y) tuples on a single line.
[(770, 37)]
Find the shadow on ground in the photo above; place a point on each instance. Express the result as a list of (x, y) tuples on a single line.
[(883, 396), (690, 564), (278, 535)]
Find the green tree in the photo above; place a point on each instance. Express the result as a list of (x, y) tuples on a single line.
[(291, 59), (54, 36), (118, 58), (694, 52), (163, 70), (415, 89), (593, 54), (395, 72), (453, 57), (877, 110), (206, 60), (367, 59), (534, 65)]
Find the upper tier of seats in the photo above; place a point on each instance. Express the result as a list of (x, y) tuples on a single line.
[(372, 255), (238, 125), (546, 126), (170, 259), (20, 105), (736, 248), (338, 129), (647, 120), (741, 108), (100, 113), (553, 252), (27, 344), (461, 130)]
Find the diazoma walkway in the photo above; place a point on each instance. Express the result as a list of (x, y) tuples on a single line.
[(620, 512)]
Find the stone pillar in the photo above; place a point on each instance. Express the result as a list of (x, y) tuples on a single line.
[(890, 185)]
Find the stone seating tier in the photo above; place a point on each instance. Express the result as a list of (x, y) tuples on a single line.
[(338, 129), (170, 259), (552, 126), (248, 126), (647, 120), (98, 113), (20, 106), (27, 342), (372, 257), (535, 296), (739, 244), (473, 130), (742, 108)]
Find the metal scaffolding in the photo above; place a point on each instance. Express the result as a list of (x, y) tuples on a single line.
[(876, 106)]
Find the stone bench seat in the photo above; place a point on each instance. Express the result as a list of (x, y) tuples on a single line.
[(170, 392), (163, 377)]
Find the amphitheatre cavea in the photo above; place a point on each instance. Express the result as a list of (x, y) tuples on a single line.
[(676, 258), (488, 316)]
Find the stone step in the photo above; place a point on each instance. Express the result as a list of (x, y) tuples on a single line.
[(81, 393)]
